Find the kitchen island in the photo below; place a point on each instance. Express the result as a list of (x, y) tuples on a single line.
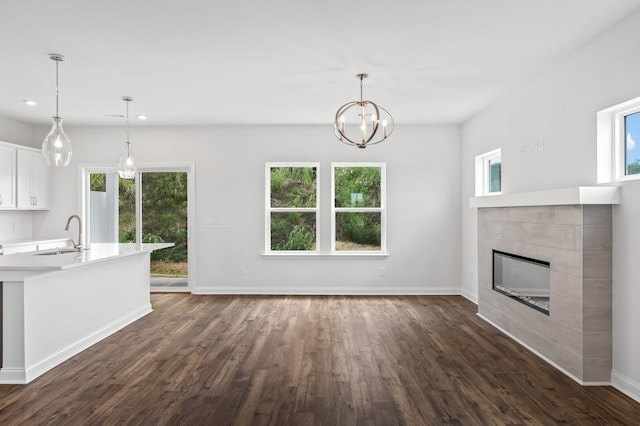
[(56, 305)]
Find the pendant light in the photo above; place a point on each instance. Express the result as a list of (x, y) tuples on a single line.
[(56, 146), (126, 163), (361, 123)]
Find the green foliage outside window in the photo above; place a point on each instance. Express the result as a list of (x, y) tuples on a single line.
[(358, 187), (293, 187), (293, 231)]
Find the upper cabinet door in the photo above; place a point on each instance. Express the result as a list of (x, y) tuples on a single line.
[(7, 177), (39, 181), (33, 180)]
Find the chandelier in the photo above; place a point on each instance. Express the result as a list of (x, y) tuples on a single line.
[(361, 123)]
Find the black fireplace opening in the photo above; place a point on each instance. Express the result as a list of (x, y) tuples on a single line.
[(523, 279)]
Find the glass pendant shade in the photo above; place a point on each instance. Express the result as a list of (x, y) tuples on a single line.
[(126, 163), (56, 147)]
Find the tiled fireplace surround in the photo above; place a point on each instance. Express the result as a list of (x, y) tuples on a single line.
[(577, 242)]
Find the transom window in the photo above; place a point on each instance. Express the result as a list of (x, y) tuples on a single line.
[(358, 217), (291, 207)]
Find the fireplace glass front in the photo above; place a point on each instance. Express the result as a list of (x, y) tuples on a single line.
[(523, 279)]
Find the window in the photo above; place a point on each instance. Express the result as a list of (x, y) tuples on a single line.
[(630, 135), (358, 219), (291, 207), (618, 135), (489, 173)]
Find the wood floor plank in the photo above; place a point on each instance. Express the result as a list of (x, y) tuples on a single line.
[(310, 360)]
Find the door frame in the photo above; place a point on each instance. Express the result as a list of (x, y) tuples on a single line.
[(85, 170)]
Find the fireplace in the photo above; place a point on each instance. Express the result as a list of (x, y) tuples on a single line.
[(523, 279), (574, 240)]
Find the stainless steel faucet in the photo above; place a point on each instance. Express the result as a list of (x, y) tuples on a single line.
[(77, 246)]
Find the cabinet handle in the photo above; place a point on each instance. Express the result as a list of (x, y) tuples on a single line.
[(35, 200), (0, 198)]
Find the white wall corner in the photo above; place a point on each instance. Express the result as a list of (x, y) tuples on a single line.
[(624, 384)]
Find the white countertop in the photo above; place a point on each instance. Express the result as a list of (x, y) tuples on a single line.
[(32, 261), (552, 197)]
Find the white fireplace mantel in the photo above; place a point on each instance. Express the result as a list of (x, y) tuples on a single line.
[(552, 197)]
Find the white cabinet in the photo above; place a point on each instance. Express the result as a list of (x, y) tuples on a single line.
[(7, 177), (33, 180)]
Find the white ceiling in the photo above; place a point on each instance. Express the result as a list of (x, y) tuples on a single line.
[(189, 62)]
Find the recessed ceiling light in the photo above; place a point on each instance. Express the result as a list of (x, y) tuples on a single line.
[(30, 102), (141, 117)]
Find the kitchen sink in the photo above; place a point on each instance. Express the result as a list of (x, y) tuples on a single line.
[(56, 252)]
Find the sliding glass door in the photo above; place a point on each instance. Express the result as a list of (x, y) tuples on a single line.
[(153, 208)]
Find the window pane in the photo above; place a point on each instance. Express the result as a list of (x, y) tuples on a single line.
[(164, 219), (293, 187), (358, 231), (632, 135), (357, 186), (293, 231), (494, 175), (112, 206)]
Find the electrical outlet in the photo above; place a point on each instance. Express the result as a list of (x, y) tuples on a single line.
[(523, 148), (540, 144), (382, 272), (241, 270)]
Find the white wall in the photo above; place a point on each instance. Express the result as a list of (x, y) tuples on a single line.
[(560, 105), (15, 225), (423, 184)]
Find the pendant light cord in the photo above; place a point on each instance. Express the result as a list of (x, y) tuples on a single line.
[(127, 122), (57, 115)]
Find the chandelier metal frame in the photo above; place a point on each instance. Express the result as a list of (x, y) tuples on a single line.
[(369, 132)]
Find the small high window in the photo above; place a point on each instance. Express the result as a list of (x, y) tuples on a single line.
[(618, 137), (489, 173), (631, 136)]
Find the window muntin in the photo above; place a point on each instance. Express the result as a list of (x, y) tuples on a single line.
[(631, 137), (292, 195), (358, 209)]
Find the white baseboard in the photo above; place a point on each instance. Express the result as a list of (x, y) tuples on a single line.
[(567, 373), (469, 296), (24, 376), (627, 386), (329, 291), (12, 376)]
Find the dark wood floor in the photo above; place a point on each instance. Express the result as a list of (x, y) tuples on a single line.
[(218, 360)]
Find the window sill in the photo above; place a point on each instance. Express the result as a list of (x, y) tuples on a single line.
[(325, 255)]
